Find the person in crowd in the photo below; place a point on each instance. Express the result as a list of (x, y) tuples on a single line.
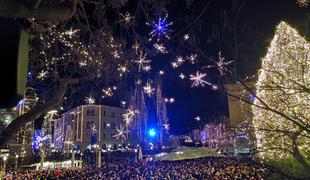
[(209, 168)]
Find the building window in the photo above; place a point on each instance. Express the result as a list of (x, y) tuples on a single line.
[(113, 125), (104, 113), (103, 136), (104, 126), (113, 114), (90, 112)]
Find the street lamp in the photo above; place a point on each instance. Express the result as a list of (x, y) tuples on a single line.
[(4, 161), (16, 161)]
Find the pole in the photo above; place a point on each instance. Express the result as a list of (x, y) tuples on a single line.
[(99, 158), (72, 158), (16, 161), (41, 157)]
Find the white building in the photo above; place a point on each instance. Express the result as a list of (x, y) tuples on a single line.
[(89, 124)]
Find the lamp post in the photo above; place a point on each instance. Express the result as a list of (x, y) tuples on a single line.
[(72, 156), (16, 161), (41, 157), (4, 162)]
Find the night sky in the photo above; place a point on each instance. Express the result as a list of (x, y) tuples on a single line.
[(261, 17), (255, 27)]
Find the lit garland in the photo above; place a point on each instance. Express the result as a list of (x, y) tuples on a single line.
[(282, 83), (303, 3)]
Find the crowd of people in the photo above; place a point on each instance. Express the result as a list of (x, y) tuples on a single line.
[(203, 168)]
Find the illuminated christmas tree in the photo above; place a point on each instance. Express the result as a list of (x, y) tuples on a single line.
[(282, 102)]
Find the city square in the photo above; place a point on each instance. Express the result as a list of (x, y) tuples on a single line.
[(155, 90)]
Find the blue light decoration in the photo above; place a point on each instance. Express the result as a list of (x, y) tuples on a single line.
[(160, 28), (94, 138), (36, 140), (252, 97), (152, 132), (21, 103)]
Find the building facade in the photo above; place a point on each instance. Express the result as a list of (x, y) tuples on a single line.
[(86, 125)]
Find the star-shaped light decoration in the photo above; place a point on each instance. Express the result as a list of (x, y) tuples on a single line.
[(90, 100), (136, 46), (107, 92), (127, 18), (182, 76), (42, 75), (166, 126), (186, 37), (148, 89), (143, 63), (123, 103), (192, 58), (221, 64), (197, 118), (160, 48), (128, 116), (160, 28), (116, 55), (122, 69), (120, 135), (198, 79), (82, 63)]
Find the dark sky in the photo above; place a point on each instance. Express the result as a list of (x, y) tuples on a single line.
[(261, 16), (255, 26)]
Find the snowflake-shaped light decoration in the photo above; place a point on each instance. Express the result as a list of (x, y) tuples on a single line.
[(82, 63), (192, 58), (120, 135), (197, 118), (142, 62), (177, 62), (303, 3), (136, 46), (128, 116), (182, 76), (160, 28), (127, 18), (90, 100), (116, 55), (70, 33), (180, 60), (186, 37), (166, 126), (108, 92), (146, 68), (160, 48), (198, 79), (174, 65), (42, 75), (123, 103), (148, 89), (221, 64), (122, 69)]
